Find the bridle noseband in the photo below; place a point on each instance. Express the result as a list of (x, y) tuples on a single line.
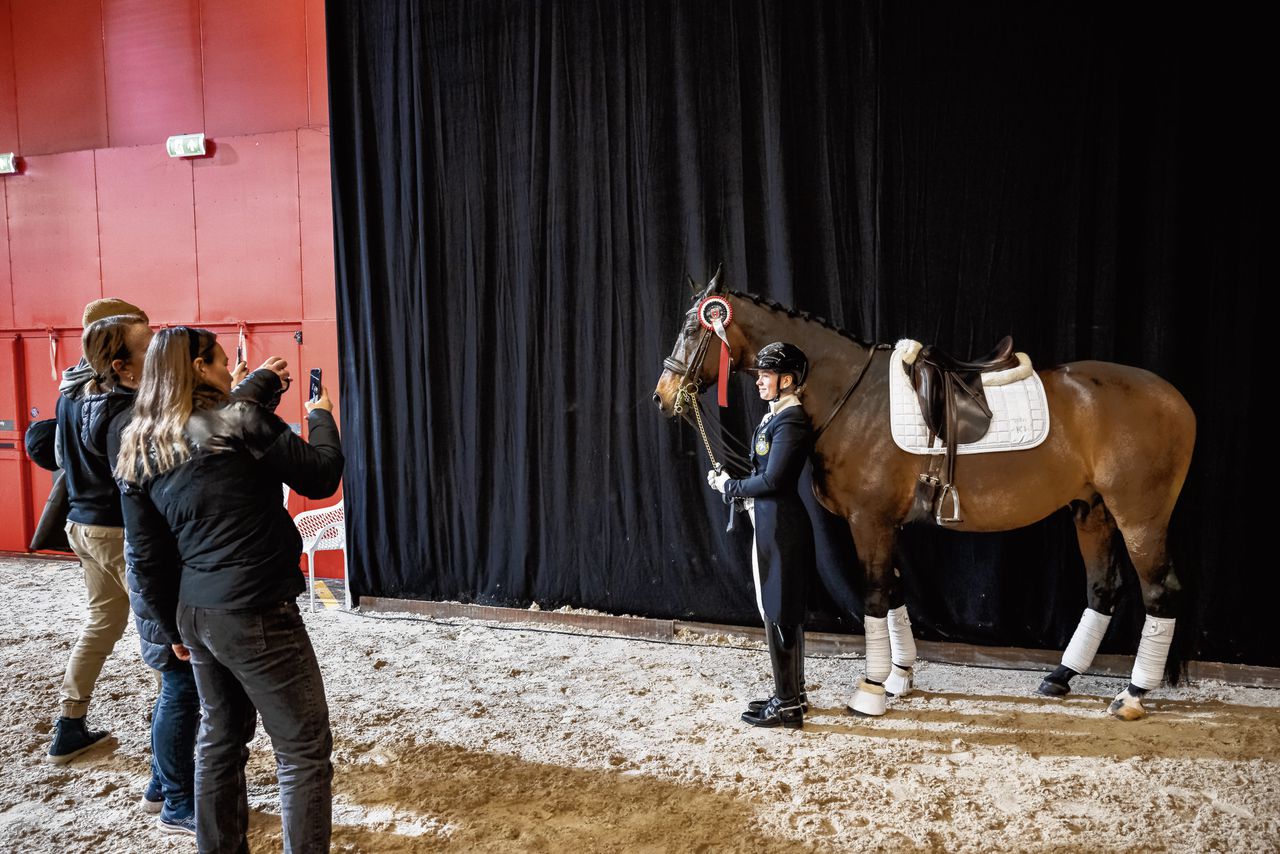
[(691, 383)]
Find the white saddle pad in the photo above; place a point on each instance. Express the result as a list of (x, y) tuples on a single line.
[(1019, 414)]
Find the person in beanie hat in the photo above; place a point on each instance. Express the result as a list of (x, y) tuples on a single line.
[(91, 393)]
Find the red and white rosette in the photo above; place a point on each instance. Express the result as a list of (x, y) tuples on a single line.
[(715, 313)]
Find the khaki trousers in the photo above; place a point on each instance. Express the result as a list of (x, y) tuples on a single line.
[(101, 552)]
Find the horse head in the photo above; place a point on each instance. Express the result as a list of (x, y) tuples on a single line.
[(689, 369)]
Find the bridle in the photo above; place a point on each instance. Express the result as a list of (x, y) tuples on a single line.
[(691, 383), (689, 389)]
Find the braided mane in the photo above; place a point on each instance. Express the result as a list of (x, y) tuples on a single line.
[(774, 305)]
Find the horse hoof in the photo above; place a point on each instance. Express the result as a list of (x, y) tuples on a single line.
[(900, 682), (1053, 689), (1127, 707), (868, 700)]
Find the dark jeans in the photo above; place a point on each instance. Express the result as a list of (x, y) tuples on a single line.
[(259, 660), (173, 741)]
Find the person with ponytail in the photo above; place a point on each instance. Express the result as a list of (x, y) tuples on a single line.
[(170, 795), (213, 556), (114, 342)]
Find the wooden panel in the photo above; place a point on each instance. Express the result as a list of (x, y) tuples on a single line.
[(319, 298), (255, 66), (53, 239), (247, 229), (152, 70), (58, 66), (317, 65), (8, 95), (147, 225)]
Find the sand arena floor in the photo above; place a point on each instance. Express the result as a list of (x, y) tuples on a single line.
[(471, 738)]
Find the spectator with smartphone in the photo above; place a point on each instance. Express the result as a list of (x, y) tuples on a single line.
[(201, 474)]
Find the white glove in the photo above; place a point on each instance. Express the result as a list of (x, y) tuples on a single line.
[(717, 481)]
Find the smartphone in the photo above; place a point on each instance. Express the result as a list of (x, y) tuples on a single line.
[(315, 384)]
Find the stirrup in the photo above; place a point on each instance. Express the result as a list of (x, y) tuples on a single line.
[(955, 506)]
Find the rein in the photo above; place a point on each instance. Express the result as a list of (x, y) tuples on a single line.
[(688, 397), (871, 354)]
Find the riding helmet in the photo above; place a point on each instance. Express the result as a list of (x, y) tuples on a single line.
[(783, 358)]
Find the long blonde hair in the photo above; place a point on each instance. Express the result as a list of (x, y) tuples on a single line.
[(103, 342), (170, 391)]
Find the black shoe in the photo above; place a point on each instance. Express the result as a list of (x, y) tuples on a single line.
[(757, 705), (71, 738), (775, 713)]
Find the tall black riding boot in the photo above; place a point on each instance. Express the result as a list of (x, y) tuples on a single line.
[(786, 656), (757, 705)]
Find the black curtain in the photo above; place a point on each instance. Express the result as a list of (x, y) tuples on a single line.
[(520, 189)]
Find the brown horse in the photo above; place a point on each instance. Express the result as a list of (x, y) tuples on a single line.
[(1117, 453)]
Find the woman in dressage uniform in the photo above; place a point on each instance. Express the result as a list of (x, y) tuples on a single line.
[(783, 552)]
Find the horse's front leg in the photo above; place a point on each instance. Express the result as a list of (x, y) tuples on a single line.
[(875, 541), (902, 643)]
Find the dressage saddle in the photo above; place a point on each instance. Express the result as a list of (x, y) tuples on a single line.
[(955, 410)]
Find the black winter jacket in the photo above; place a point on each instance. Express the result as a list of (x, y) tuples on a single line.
[(83, 421), (262, 386), (213, 532)]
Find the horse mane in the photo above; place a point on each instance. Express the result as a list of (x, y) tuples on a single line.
[(774, 305)]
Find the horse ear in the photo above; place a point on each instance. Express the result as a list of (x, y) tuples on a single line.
[(715, 281), (693, 286)]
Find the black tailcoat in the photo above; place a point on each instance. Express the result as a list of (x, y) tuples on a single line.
[(783, 533)]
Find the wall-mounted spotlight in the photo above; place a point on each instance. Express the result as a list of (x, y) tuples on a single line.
[(8, 163), (186, 145)]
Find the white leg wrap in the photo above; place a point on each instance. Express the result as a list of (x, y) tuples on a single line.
[(1153, 652), (901, 642), (877, 633), (1084, 643)]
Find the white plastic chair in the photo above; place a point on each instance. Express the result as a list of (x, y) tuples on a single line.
[(324, 529)]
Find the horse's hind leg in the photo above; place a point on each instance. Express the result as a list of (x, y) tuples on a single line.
[(1100, 547), (1148, 549)]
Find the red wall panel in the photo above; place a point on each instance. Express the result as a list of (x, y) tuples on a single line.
[(315, 192), (6, 282), (9, 376), (255, 66), (152, 69), (13, 535), (42, 387), (247, 229), (317, 65), (8, 99), (147, 223), (53, 239), (62, 104)]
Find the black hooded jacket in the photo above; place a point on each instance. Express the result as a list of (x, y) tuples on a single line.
[(83, 422), (261, 386), (212, 532)]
